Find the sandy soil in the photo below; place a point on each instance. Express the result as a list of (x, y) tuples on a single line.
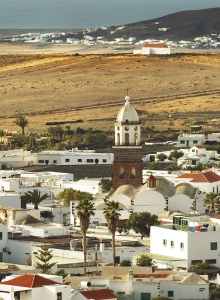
[(50, 83)]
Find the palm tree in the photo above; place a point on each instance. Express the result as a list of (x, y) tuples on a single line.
[(111, 213), (35, 197), (212, 200), (22, 122), (85, 209), (52, 132), (60, 132)]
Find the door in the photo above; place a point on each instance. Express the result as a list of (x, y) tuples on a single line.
[(145, 296)]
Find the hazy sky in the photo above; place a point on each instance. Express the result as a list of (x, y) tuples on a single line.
[(90, 13)]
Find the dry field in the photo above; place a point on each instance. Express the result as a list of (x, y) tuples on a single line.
[(46, 86)]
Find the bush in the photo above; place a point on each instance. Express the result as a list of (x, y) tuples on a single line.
[(144, 260), (125, 263)]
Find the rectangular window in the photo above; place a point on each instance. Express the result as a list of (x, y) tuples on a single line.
[(0, 235), (195, 142), (181, 246), (59, 296), (89, 160), (182, 142), (164, 243), (54, 161), (211, 261), (67, 160), (79, 159), (41, 161), (193, 262), (213, 246), (104, 160), (172, 244), (170, 293)]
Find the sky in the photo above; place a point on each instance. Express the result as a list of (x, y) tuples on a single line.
[(89, 13)]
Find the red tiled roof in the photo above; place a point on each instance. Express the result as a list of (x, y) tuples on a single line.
[(98, 294), (189, 175), (158, 45), (151, 275), (207, 177), (200, 147), (29, 281)]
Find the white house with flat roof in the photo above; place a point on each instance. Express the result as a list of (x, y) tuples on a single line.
[(188, 240), (213, 137), (189, 140), (17, 158), (74, 157)]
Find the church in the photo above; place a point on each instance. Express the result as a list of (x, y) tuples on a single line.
[(127, 165), (128, 187)]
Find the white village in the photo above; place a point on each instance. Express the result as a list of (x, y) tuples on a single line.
[(99, 260)]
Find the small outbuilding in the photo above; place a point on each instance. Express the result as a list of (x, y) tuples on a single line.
[(155, 49)]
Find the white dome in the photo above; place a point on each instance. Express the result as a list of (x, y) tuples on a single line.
[(127, 113)]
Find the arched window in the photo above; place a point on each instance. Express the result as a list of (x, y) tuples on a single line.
[(133, 173), (118, 139), (136, 139), (126, 138), (121, 173)]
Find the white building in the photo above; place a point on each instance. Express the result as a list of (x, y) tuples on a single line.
[(17, 159), (155, 49), (197, 154), (143, 284), (206, 182), (33, 286), (3, 242), (74, 157), (213, 137), (189, 240), (189, 140)]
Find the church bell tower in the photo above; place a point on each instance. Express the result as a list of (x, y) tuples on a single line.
[(127, 165)]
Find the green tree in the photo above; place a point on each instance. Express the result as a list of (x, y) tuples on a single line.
[(44, 256), (105, 184), (22, 122), (175, 154), (202, 265), (34, 197), (173, 167), (60, 132), (212, 202), (64, 274), (141, 223), (112, 215), (153, 166), (162, 156), (125, 263), (52, 132), (68, 195), (143, 260), (85, 209), (46, 214)]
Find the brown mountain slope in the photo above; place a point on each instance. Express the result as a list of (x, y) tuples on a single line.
[(51, 88), (183, 25)]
